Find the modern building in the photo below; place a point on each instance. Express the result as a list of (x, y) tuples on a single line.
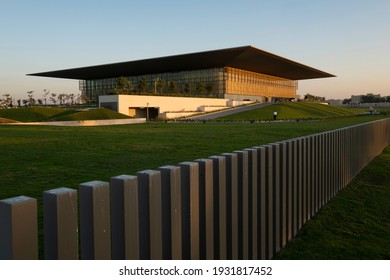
[(241, 73)]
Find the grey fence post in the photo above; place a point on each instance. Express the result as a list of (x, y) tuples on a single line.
[(232, 204), (18, 229), (150, 180), (243, 204), (206, 210), (289, 190), (171, 185), (253, 203), (262, 198), (190, 207), (95, 235), (220, 215), (269, 201), (124, 217), (283, 199), (304, 180), (60, 224), (276, 201), (295, 181)]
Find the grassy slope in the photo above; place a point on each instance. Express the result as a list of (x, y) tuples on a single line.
[(355, 224), (39, 114), (294, 110)]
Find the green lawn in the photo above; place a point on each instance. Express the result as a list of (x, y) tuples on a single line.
[(38, 158), (354, 225), (295, 110)]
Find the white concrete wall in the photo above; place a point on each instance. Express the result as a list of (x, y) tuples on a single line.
[(165, 103)]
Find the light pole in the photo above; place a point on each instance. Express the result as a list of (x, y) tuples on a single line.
[(147, 112)]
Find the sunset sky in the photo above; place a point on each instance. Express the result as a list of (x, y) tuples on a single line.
[(348, 38)]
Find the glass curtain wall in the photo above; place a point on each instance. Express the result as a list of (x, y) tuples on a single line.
[(242, 82), (200, 83), (215, 82)]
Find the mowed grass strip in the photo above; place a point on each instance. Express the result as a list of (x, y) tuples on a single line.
[(353, 225), (295, 110)]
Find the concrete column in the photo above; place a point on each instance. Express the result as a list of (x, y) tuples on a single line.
[(220, 215), (232, 205), (243, 205), (206, 210), (262, 228), (95, 237), (171, 186), (190, 207), (253, 203), (124, 218), (151, 180), (60, 214), (18, 229)]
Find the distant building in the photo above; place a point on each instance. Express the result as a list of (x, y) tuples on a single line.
[(242, 74)]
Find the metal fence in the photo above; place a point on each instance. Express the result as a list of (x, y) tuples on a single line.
[(242, 205)]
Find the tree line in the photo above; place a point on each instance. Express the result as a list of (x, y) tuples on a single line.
[(32, 100)]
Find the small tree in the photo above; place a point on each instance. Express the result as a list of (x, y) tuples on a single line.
[(31, 99), (124, 86), (172, 86), (53, 98), (45, 94), (200, 88), (188, 88), (84, 98), (142, 85), (160, 85), (210, 89)]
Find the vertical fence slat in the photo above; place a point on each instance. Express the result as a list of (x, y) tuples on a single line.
[(253, 202), (150, 181), (262, 198), (219, 183), (171, 183), (283, 193), (18, 228), (60, 214), (95, 235), (289, 189), (243, 205), (269, 201), (206, 211), (124, 217), (232, 205), (190, 207)]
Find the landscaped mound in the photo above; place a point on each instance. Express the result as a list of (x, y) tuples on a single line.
[(40, 114), (294, 110)]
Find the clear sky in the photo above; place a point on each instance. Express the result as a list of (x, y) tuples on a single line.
[(348, 38)]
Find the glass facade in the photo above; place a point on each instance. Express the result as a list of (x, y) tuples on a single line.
[(215, 82)]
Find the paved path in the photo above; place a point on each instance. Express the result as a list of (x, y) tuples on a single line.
[(227, 112)]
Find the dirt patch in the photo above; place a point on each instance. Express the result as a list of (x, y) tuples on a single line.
[(4, 120)]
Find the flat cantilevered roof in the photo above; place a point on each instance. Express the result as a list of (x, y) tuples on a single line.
[(246, 58)]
